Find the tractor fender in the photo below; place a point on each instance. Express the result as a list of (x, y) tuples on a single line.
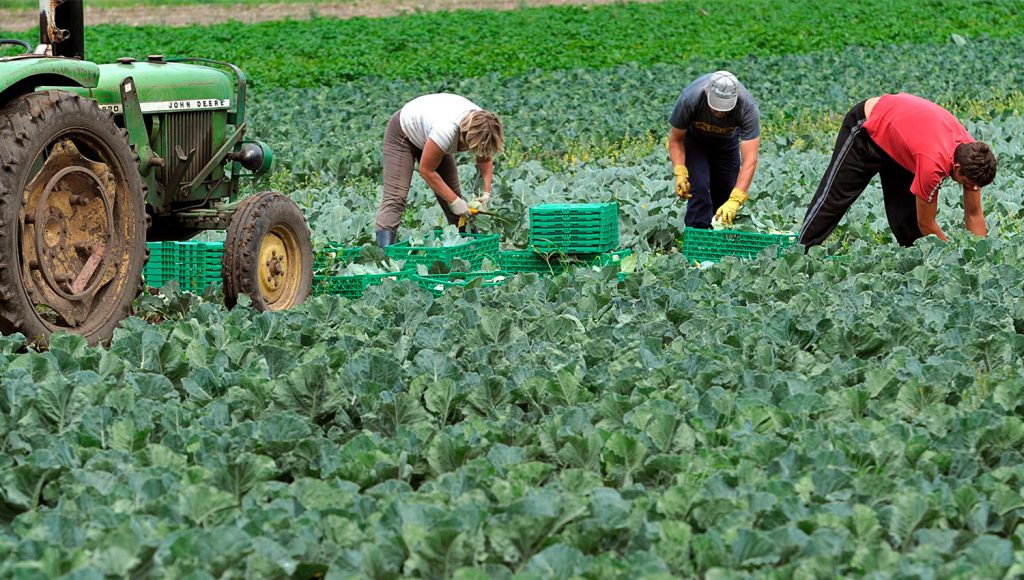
[(19, 76)]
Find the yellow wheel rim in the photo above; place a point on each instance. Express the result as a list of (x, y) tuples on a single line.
[(280, 268)]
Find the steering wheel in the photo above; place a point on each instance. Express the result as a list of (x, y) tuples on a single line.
[(28, 47)]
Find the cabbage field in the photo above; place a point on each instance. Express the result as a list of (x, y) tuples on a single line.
[(858, 411)]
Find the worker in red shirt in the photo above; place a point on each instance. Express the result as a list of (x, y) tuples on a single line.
[(913, 144)]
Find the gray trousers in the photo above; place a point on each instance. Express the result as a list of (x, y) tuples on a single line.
[(400, 158)]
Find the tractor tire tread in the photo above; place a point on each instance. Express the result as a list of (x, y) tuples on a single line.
[(27, 123), (255, 217)]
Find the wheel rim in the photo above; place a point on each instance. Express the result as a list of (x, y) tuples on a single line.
[(74, 232), (280, 268)]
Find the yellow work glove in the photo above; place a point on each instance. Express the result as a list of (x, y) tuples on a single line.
[(726, 214), (682, 182), (473, 210)]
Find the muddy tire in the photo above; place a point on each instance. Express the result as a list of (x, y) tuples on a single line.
[(72, 218), (267, 253)]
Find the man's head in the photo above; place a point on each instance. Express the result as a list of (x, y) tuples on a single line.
[(482, 133), (974, 165), (722, 90)]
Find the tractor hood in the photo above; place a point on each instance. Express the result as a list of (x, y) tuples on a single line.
[(166, 87), (47, 71)]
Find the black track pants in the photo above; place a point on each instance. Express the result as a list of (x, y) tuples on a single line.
[(855, 160)]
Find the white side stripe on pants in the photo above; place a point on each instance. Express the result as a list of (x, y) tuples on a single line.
[(832, 171)]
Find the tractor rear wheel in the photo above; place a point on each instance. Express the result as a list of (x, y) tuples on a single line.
[(72, 218), (267, 253)]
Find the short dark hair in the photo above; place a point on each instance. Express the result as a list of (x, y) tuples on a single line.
[(977, 162)]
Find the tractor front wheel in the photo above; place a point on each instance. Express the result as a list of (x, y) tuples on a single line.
[(267, 253), (72, 218)]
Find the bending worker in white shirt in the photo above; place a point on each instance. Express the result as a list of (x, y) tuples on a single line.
[(431, 129)]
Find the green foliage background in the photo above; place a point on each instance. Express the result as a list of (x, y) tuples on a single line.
[(323, 52), (811, 416)]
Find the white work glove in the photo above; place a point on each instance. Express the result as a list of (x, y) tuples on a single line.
[(484, 200), (459, 207)]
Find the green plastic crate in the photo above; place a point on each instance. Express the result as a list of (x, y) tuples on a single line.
[(568, 221), (352, 286), (199, 263), (198, 281), (518, 261), (608, 258), (701, 245), (613, 257), (162, 266), (174, 250), (334, 254), (606, 210), (584, 222), (474, 250), (573, 233), (573, 245), (194, 265), (158, 253), (574, 228), (436, 284)]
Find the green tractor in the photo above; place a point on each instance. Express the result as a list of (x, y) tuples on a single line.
[(97, 159)]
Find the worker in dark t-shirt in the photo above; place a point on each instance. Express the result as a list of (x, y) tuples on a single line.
[(913, 145), (715, 123)]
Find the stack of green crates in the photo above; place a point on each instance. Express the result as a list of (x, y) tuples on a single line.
[(194, 265), (574, 228), (162, 266), (476, 248), (700, 245)]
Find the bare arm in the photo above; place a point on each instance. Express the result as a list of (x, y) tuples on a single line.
[(748, 157), (485, 165), (676, 149), (926, 219), (974, 217), (429, 161)]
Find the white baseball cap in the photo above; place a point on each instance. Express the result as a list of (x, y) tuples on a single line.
[(723, 90)]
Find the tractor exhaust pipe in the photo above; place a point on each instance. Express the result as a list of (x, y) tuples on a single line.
[(62, 27)]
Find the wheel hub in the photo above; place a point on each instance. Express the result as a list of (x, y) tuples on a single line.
[(67, 232), (278, 279), (273, 265)]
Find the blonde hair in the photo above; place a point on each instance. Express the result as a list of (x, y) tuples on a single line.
[(483, 133)]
